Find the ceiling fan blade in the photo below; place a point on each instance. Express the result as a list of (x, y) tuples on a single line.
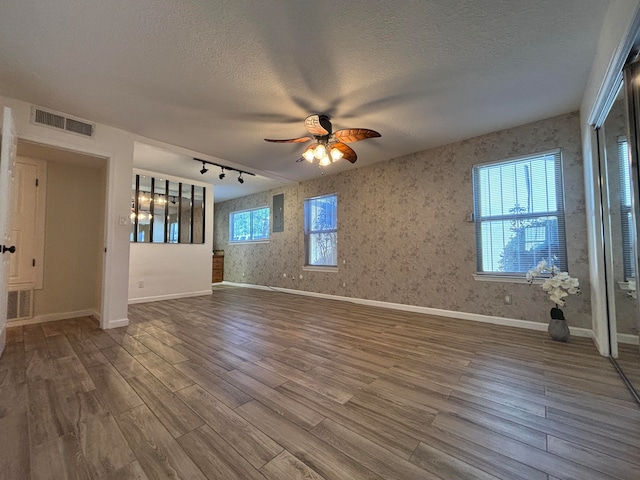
[(347, 152), (355, 134), (291, 140), (318, 125)]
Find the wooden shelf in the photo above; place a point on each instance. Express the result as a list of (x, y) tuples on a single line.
[(217, 268)]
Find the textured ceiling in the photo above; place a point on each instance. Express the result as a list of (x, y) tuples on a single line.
[(218, 77)]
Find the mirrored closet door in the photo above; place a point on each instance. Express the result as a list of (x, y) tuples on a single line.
[(620, 199)]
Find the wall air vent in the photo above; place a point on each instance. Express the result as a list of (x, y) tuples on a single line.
[(60, 121), (19, 302), (48, 118)]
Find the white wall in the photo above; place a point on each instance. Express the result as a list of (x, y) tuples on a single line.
[(613, 47), (117, 146), (172, 270)]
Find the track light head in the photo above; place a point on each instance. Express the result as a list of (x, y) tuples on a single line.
[(222, 174), (204, 169), (240, 179)]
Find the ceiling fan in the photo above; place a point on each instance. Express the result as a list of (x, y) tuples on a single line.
[(330, 146)]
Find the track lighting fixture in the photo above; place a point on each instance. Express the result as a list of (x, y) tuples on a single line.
[(222, 173)]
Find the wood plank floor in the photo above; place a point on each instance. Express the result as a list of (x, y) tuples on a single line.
[(629, 361), (252, 384)]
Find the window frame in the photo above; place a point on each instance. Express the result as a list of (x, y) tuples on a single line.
[(251, 212), (309, 232), (561, 260)]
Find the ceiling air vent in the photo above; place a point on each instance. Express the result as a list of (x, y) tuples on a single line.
[(61, 122)]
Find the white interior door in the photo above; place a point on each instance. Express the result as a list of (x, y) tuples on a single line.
[(23, 223), (7, 161)]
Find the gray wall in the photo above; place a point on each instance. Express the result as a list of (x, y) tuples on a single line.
[(403, 234)]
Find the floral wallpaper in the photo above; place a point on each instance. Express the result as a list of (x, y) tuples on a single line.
[(403, 234)]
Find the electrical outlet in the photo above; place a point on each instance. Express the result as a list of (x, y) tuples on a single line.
[(507, 299), (284, 275), (300, 276), (344, 284), (140, 283)]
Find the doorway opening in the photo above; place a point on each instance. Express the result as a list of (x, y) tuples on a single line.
[(58, 213)]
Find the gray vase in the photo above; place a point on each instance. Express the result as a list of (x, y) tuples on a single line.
[(558, 328)]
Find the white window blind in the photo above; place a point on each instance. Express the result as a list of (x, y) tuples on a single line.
[(321, 230), (626, 218), (519, 214)]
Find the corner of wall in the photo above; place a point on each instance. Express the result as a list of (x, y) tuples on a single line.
[(123, 322)]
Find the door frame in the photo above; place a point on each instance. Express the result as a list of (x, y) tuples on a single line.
[(9, 147), (607, 244), (107, 231)]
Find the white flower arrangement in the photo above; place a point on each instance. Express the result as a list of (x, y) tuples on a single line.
[(559, 285)]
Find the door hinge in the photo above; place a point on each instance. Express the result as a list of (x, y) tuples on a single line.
[(33, 263), (37, 182)]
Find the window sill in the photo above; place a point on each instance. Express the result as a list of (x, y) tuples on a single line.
[(625, 285), (312, 268), (483, 277), (248, 242)]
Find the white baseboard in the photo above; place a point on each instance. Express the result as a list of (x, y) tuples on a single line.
[(122, 322), (171, 296), (594, 338), (476, 317), (53, 317), (630, 339)]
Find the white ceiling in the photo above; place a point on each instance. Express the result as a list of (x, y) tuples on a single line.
[(219, 77)]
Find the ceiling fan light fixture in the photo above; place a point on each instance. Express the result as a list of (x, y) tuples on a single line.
[(309, 154), (320, 151), (336, 154), (329, 146)]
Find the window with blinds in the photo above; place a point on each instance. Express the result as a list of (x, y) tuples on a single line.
[(626, 218), (321, 231), (519, 214)]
